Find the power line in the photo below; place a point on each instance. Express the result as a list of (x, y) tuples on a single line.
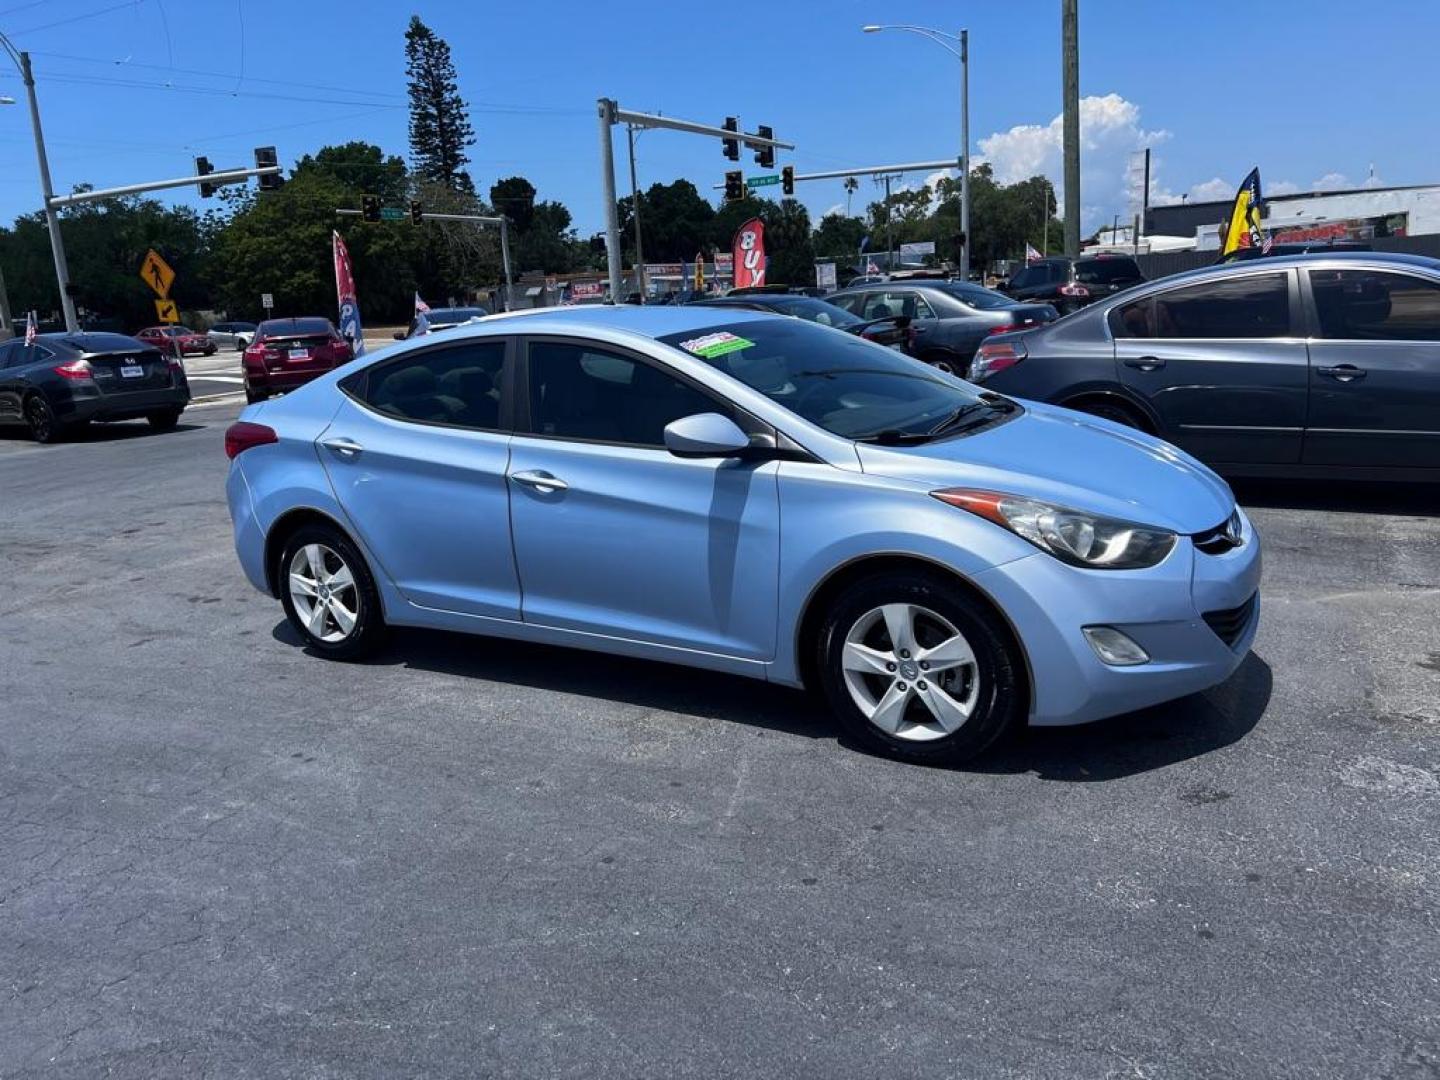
[(78, 18)]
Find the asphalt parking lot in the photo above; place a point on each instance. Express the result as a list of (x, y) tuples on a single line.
[(221, 857)]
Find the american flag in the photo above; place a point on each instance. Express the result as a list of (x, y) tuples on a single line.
[(1031, 255), (31, 329), (421, 307), (870, 267), (1265, 243)]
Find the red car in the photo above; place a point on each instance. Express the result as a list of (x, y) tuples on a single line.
[(287, 353), (173, 339)]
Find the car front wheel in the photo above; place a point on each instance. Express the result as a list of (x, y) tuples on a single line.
[(917, 669), (329, 595)]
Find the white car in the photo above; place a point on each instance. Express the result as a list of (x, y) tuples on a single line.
[(232, 335)]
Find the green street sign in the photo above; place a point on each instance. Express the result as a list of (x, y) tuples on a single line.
[(393, 213), (761, 181)]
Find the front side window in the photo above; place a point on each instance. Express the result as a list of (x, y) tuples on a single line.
[(847, 385), (1373, 305), (459, 385), (1254, 306), (581, 391)]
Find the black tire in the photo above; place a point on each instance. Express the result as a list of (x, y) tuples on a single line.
[(254, 396), (995, 682), (1115, 411), (163, 419), (946, 362), (368, 632), (44, 427)]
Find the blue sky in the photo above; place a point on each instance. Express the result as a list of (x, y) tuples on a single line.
[(1311, 90)]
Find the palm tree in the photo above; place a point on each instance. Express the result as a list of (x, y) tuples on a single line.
[(851, 184)]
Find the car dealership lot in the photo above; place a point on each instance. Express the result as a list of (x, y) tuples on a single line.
[(221, 856)]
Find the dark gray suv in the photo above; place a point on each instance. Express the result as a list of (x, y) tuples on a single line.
[(1307, 365)]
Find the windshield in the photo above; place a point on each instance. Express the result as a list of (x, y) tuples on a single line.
[(295, 328), (812, 310), (976, 296), (1106, 271), (847, 385)]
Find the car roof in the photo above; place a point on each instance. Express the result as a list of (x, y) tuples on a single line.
[(1393, 259), (649, 320), (91, 341)]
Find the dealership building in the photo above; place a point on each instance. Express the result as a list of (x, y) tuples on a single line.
[(1368, 214)]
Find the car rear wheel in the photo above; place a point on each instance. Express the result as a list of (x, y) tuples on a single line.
[(40, 418), (254, 396), (329, 595), (1114, 411), (164, 419), (946, 362), (916, 669)]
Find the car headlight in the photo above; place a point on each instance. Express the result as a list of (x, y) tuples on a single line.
[(1077, 537)]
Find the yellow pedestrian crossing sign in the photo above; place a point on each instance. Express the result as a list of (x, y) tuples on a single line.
[(156, 273), (166, 311)]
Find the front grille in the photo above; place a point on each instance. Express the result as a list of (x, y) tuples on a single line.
[(1230, 624)]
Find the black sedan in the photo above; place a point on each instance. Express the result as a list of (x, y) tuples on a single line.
[(1302, 366), (948, 319), (892, 330), (63, 381)]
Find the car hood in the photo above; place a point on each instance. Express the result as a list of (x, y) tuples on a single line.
[(1071, 459)]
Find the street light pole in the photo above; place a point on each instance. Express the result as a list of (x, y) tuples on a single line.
[(963, 55), (1070, 91), (635, 210), (47, 192)]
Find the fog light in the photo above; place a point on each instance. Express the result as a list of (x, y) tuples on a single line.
[(1114, 648)]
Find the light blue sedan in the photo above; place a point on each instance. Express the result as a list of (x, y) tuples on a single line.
[(754, 494)]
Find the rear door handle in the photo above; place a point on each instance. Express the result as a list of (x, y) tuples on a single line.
[(346, 448), (1145, 363), (540, 480), (1342, 372)]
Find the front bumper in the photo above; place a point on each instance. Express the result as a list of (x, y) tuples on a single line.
[(1162, 609)]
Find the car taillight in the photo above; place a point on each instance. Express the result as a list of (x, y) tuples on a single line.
[(993, 356), (1074, 290), (1003, 329), (243, 435), (75, 371)]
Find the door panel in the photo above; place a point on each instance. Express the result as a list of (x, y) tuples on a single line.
[(1374, 370), (641, 544), (428, 496), (1218, 365)]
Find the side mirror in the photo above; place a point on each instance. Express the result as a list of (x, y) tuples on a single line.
[(705, 435), (399, 335)]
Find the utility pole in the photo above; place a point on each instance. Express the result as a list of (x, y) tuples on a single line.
[(1144, 200), (965, 154), (889, 229), (47, 191), (635, 209), (7, 325), (1070, 68)]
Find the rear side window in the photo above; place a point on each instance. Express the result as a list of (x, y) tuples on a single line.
[(459, 385), (582, 392), (1255, 306), (1372, 305), (1107, 271), (850, 303), (1023, 279)]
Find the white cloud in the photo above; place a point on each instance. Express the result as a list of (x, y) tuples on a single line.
[(838, 210), (1332, 181), (1110, 133), (1213, 190), (933, 180), (1282, 187)]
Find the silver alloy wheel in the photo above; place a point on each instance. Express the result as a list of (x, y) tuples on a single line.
[(910, 672), (322, 588)]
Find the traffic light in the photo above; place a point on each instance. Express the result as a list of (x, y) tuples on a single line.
[(417, 215), (597, 243), (787, 179), (732, 146), (265, 157), (734, 186), (204, 168), (370, 207), (765, 155)]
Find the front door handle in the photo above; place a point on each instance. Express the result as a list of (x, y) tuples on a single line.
[(1342, 372), (346, 448), (540, 480), (1145, 363)]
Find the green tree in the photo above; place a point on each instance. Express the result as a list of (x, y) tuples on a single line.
[(838, 237), (514, 197), (787, 243), (440, 130), (361, 167), (675, 222)]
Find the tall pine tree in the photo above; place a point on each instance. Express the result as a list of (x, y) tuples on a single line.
[(439, 125)]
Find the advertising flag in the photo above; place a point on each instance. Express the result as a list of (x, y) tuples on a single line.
[(749, 248), (700, 271), (1244, 229), (31, 328), (1031, 255), (345, 291)]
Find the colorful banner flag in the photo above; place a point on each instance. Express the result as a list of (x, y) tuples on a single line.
[(1244, 229), (31, 328), (749, 249), (700, 271), (345, 291)]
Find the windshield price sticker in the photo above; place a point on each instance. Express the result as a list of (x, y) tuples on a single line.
[(713, 345)]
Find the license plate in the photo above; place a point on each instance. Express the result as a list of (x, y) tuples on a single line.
[(299, 354), (131, 371)]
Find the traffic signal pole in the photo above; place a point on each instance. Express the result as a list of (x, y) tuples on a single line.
[(610, 114)]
